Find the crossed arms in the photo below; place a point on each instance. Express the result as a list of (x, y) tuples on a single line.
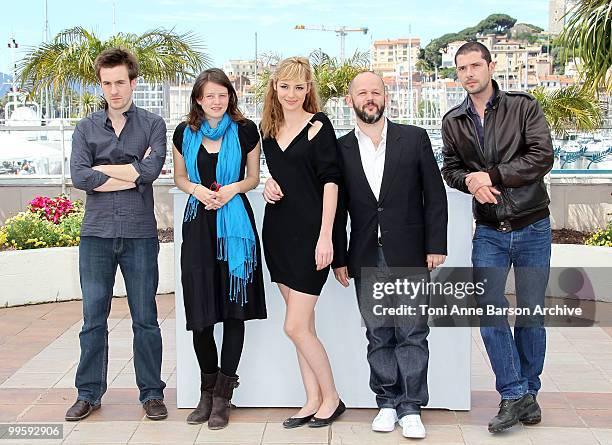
[(109, 178)]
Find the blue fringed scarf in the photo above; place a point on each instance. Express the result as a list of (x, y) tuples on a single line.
[(235, 236)]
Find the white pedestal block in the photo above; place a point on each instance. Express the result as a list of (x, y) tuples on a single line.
[(269, 373)]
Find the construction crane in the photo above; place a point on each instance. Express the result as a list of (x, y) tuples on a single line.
[(341, 31)]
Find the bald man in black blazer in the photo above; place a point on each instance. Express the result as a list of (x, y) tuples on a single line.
[(393, 191)]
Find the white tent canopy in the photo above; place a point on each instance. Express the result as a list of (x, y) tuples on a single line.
[(15, 148)]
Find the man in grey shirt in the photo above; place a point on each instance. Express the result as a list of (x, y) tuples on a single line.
[(117, 153)]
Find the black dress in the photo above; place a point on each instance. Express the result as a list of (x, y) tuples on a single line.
[(291, 226), (205, 279)]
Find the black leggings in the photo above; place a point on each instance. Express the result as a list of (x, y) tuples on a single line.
[(231, 350)]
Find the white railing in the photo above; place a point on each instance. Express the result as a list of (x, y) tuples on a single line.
[(56, 145)]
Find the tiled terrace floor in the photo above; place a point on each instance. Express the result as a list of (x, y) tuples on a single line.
[(39, 351)]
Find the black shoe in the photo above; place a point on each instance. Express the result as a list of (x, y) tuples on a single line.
[(155, 409), (315, 422), (510, 413), (80, 410), (533, 414), (294, 422)]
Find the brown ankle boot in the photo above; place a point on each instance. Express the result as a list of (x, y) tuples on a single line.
[(224, 389), (202, 411)]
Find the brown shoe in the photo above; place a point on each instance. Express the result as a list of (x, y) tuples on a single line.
[(222, 394), (202, 411), (80, 410), (155, 409)]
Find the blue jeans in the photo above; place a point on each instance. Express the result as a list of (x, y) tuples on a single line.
[(98, 260), (398, 352), (516, 361)]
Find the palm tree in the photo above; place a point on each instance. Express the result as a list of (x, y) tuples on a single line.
[(423, 67), (332, 77), (67, 61), (588, 35), (569, 109), (89, 103)]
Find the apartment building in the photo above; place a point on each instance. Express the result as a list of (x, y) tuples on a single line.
[(556, 81), (151, 97), (392, 55), (441, 96), (518, 65), (240, 68), (448, 55), (178, 100), (558, 14)]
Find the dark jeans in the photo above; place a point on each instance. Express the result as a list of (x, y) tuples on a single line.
[(98, 260), (398, 352), (518, 360)]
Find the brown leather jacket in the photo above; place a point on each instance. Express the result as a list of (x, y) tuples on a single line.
[(517, 154)]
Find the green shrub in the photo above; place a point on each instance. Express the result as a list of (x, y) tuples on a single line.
[(603, 237), (33, 229)]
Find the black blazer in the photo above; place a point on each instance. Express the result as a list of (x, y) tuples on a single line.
[(412, 210)]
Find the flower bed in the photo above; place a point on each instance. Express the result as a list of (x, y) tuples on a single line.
[(40, 261), (602, 237), (48, 222)]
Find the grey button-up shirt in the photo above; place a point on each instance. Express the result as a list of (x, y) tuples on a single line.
[(125, 213)]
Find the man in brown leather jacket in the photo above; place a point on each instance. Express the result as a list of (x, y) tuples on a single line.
[(497, 147)]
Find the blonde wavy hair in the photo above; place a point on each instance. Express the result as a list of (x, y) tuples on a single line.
[(295, 69)]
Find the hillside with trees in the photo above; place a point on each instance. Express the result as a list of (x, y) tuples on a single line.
[(493, 24)]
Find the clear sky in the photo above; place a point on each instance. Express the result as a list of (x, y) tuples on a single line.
[(228, 27)]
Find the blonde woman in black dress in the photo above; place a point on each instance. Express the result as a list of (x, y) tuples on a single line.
[(300, 148)]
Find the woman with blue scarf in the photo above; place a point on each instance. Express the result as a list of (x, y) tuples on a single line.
[(220, 255)]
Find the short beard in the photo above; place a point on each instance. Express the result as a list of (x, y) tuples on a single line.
[(369, 118), (480, 89)]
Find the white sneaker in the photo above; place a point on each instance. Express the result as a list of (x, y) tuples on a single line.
[(412, 427), (385, 421)]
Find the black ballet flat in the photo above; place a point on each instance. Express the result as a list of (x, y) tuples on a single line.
[(295, 422), (319, 423)]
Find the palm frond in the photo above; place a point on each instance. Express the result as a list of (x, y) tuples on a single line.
[(569, 109), (588, 34), (68, 59)]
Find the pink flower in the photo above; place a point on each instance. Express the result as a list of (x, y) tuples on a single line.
[(52, 209)]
